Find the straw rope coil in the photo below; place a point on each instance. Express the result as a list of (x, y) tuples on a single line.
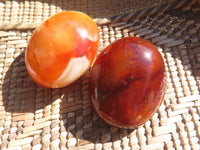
[(33, 117)]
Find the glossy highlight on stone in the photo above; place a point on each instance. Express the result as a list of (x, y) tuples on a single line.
[(128, 82), (61, 49)]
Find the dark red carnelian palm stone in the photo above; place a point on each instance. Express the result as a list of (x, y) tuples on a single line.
[(128, 82)]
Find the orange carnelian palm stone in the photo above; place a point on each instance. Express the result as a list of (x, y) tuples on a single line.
[(62, 49), (128, 82)]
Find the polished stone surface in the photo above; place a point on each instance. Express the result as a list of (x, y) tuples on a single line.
[(62, 49), (128, 82)]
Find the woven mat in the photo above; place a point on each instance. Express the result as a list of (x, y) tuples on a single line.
[(33, 117)]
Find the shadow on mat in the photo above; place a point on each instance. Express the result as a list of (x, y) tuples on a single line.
[(19, 90), (23, 98)]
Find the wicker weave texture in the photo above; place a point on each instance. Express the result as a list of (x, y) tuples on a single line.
[(38, 10), (33, 117)]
